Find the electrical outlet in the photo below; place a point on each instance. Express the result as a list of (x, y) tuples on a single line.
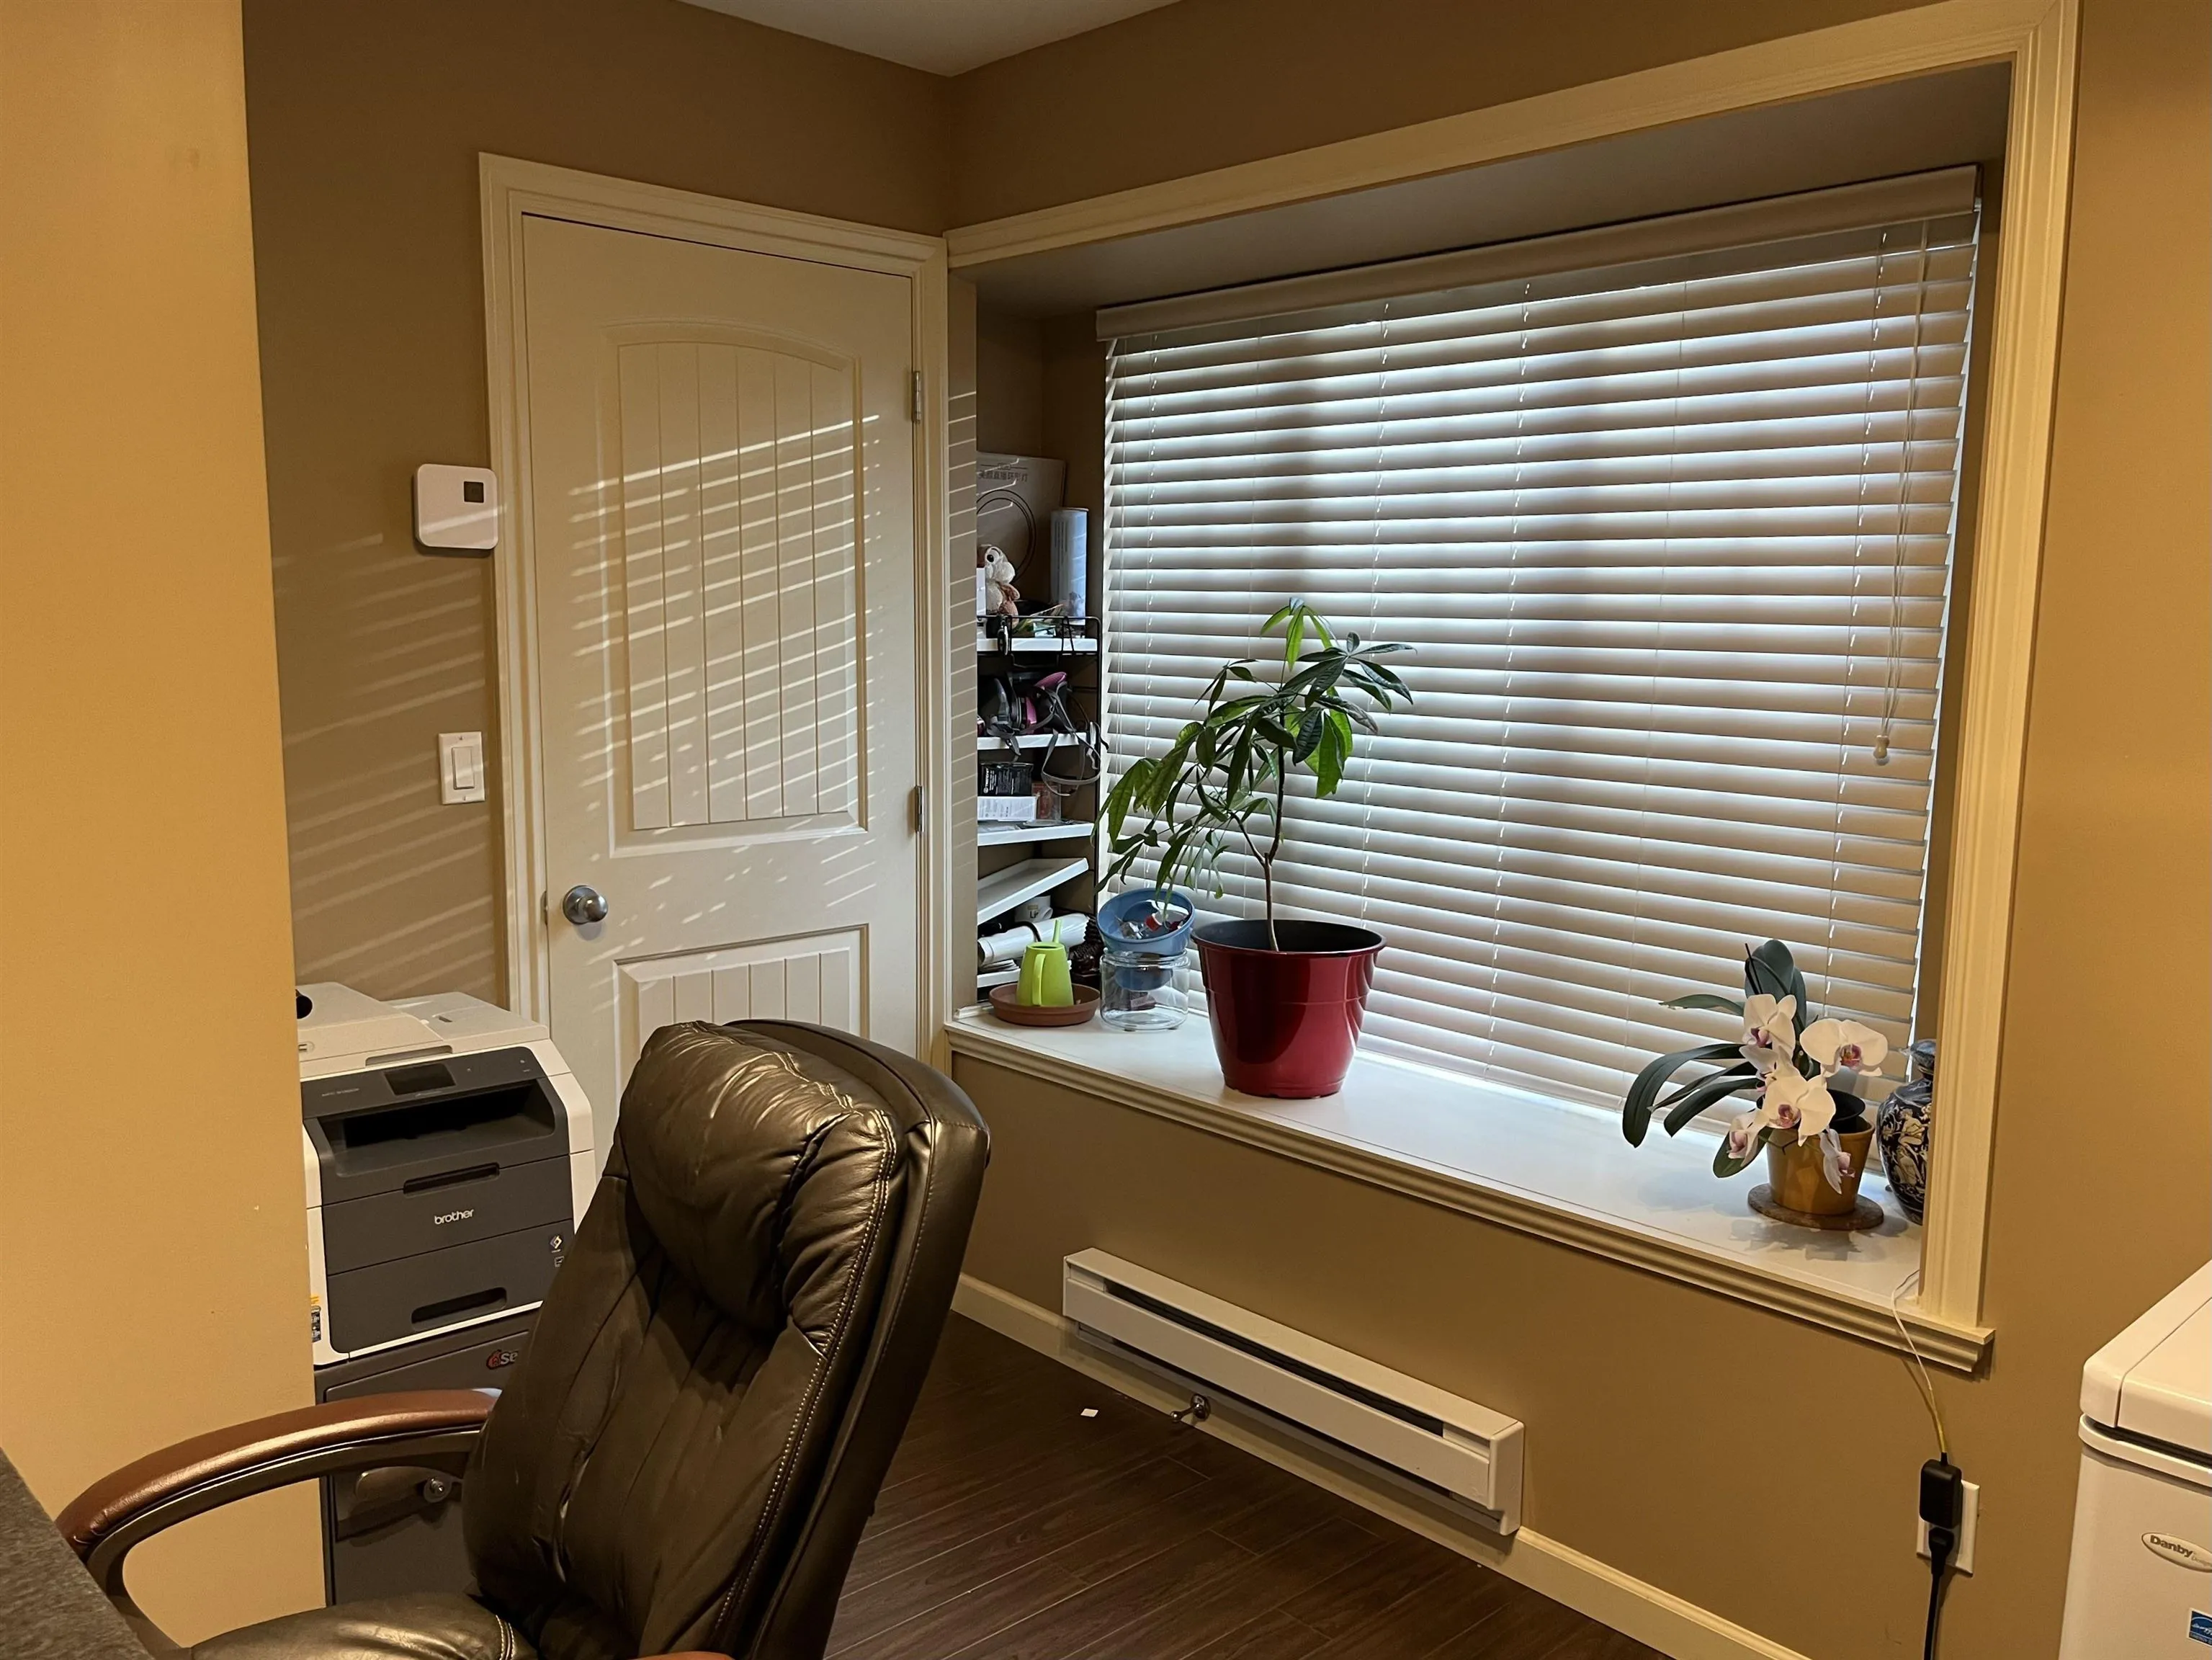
[(1962, 1560)]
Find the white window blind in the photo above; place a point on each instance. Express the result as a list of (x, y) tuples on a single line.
[(1672, 542)]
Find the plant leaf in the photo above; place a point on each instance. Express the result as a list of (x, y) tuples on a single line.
[(1762, 975), (1686, 1103), (1771, 968), (1329, 759), (1636, 1107), (1705, 999), (1310, 731)]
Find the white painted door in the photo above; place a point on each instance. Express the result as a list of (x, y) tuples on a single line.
[(723, 544)]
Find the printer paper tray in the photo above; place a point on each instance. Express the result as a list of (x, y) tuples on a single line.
[(424, 1294), (386, 1226)]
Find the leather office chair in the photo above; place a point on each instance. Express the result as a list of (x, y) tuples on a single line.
[(721, 1371)]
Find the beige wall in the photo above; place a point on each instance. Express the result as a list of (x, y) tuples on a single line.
[(1661, 1418), (1207, 83), (1009, 382), (152, 1258), (367, 116)]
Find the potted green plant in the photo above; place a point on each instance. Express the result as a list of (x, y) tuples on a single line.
[(1808, 1116), (1285, 997)]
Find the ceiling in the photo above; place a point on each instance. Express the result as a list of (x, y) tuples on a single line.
[(945, 37)]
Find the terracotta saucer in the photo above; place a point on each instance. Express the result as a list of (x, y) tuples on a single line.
[(1061, 1014)]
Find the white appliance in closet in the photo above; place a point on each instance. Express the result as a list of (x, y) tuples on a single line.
[(2140, 1586)]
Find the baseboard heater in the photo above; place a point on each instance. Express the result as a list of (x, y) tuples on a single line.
[(1439, 1442)]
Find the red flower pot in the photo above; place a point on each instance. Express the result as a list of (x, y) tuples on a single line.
[(1285, 1022)]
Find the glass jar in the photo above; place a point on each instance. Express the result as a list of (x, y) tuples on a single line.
[(1137, 989)]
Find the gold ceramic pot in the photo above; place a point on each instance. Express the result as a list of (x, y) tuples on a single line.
[(1795, 1172)]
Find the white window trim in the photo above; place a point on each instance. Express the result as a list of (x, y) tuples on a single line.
[(1542, 1167), (2037, 39)]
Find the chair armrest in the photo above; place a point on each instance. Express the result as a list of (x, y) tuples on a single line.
[(431, 1428)]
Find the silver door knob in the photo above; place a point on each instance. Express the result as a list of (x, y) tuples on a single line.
[(582, 905)]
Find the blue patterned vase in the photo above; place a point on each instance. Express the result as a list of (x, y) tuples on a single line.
[(1903, 1128)]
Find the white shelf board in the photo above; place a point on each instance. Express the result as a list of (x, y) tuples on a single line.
[(1004, 975), (1027, 646), (990, 835), (1028, 740), (1003, 889)]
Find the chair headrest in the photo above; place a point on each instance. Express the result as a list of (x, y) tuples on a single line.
[(762, 1172)]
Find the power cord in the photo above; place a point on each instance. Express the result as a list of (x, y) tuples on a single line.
[(1942, 1484), (1922, 1382), (1941, 1505)]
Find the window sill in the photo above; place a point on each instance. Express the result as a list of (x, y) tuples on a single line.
[(1559, 1172)]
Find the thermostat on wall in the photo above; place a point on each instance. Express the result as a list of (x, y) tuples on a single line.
[(456, 508)]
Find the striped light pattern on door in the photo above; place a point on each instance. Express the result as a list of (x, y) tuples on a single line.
[(739, 583), (814, 978)]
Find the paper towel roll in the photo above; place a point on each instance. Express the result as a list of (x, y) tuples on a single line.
[(1007, 945), (1071, 560)]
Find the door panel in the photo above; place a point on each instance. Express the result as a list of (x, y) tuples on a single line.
[(814, 978), (740, 580), (722, 540)]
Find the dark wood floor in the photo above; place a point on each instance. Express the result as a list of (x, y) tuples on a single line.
[(1011, 1525)]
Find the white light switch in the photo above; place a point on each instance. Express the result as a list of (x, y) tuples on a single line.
[(460, 766)]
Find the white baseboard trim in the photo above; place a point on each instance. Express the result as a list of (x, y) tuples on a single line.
[(1627, 1604)]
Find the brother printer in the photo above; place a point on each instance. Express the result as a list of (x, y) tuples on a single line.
[(449, 1154)]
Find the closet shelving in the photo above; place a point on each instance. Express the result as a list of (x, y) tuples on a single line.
[(1002, 890), (1053, 858), (1011, 836), (988, 646)]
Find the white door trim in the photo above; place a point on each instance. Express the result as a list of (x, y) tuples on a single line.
[(511, 189), (2037, 40)]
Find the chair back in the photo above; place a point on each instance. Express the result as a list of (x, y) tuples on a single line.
[(729, 1352)]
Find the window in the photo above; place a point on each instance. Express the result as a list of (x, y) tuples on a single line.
[(1668, 514)]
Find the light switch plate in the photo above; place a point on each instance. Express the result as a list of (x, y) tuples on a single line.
[(460, 767)]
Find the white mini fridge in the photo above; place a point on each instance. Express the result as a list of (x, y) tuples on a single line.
[(2139, 1586)]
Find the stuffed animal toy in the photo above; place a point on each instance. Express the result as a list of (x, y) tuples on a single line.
[(1000, 597)]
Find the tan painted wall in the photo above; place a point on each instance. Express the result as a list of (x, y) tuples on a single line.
[(1074, 407), (1207, 83), (1009, 382), (1661, 1418), (152, 1257), (367, 116)]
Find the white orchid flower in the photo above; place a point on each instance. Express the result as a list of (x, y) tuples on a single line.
[(1792, 1101), (1769, 1030), (1743, 1135), (1835, 1162), (1844, 1046)]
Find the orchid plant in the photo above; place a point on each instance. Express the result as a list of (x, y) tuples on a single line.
[(1804, 1079)]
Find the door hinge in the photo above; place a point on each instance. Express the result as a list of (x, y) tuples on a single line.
[(920, 809), (915, 412)]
